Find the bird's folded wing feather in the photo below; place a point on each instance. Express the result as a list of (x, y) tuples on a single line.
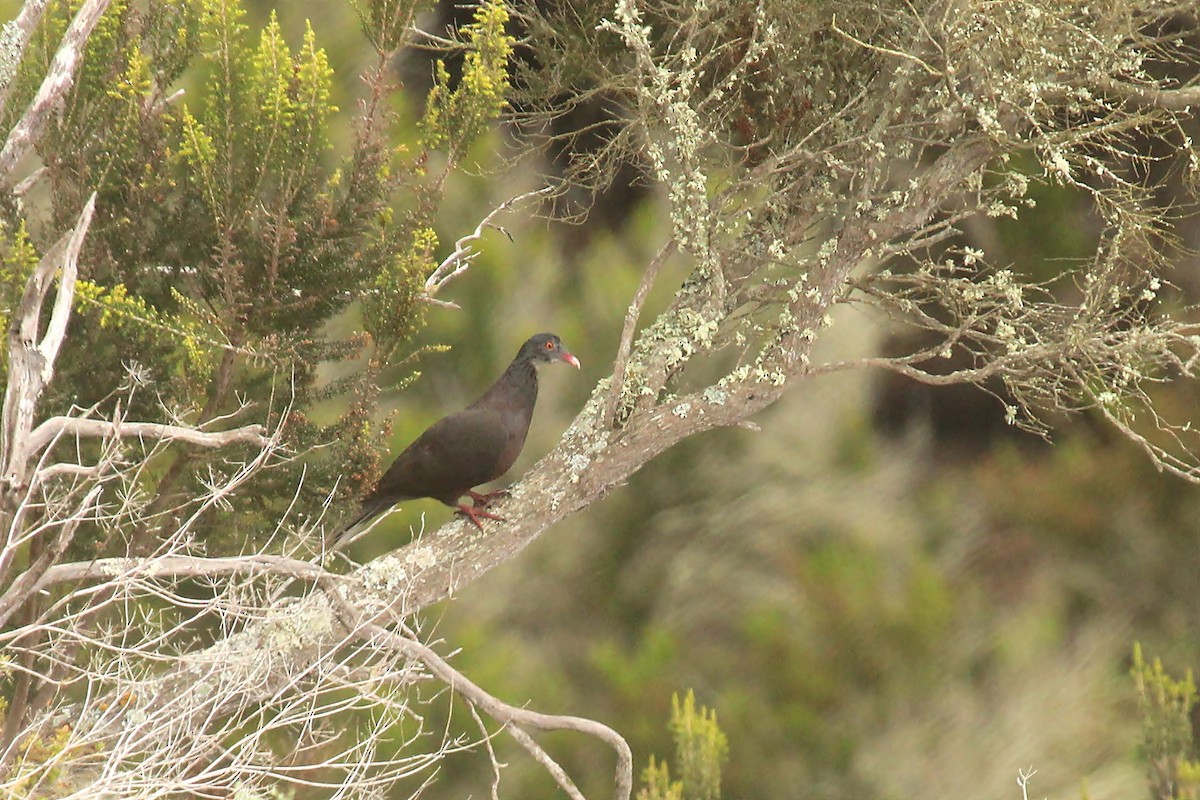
[(456, 453)]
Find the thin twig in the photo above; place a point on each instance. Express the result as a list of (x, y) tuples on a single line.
[(632, 314), (512, 715), (884, 50), (549, 764), (487, 743), (178, 566), (460, 260), (28, 582)]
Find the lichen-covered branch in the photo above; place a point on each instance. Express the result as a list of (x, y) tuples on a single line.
[(632, 315)]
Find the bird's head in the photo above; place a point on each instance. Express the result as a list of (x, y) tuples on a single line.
[(545, 348)]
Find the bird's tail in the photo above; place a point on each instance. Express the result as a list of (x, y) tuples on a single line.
[(367, 513)]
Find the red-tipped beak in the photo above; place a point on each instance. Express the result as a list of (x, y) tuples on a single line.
[(570, 359)]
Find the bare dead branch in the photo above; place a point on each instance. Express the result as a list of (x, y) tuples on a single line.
[(460, 260), (549, 764), (26, 22), (31, 362), (511, 715), (884, 50), (28, 582), (57, 427), (491, 751), (902, 366), (172, 567), (58, 81)]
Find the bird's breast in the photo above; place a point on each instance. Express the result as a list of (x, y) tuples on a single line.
[(512, 448)]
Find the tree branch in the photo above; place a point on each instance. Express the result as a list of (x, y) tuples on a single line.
[(58, 81), (55, 427), (26, 22), (1145, 96), (31, 363), (460, 260), (28, 582), (549, 764), (632, 314), (156, 568), (510, 715)]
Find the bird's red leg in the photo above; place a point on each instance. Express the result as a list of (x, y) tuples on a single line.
[(485, 500), (474, 514)]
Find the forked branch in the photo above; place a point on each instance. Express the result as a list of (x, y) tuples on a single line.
[(30, 361), (512, 716), (460, 260)]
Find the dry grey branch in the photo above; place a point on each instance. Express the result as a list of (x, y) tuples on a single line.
[(30, 360), (58, 81), (14, 41), (460, 260), (55, 428)]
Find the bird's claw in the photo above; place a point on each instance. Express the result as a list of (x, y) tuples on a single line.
[(475, 513), (484, 500)]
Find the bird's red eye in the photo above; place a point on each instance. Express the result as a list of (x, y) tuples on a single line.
[(549, 345)]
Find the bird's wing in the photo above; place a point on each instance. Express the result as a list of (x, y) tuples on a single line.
[(455, 454)]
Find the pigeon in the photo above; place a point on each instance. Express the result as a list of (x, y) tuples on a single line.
[(470, 447)]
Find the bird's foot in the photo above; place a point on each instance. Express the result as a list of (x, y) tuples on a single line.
[(474, 514), (484, 500)]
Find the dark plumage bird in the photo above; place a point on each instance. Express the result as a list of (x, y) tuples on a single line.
[(470, 447)]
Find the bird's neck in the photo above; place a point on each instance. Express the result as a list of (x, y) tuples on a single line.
[(519, 383)]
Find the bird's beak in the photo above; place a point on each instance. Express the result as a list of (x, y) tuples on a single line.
[(570, 359)]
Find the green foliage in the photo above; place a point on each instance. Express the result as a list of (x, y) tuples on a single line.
[(227, 237), (17, 262), (18, 258), (700, 749), (392, 311), (659, 786), (1167, 743), (184, 338), (264, 127), (385, 22), (39, 761), (459, 115)]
